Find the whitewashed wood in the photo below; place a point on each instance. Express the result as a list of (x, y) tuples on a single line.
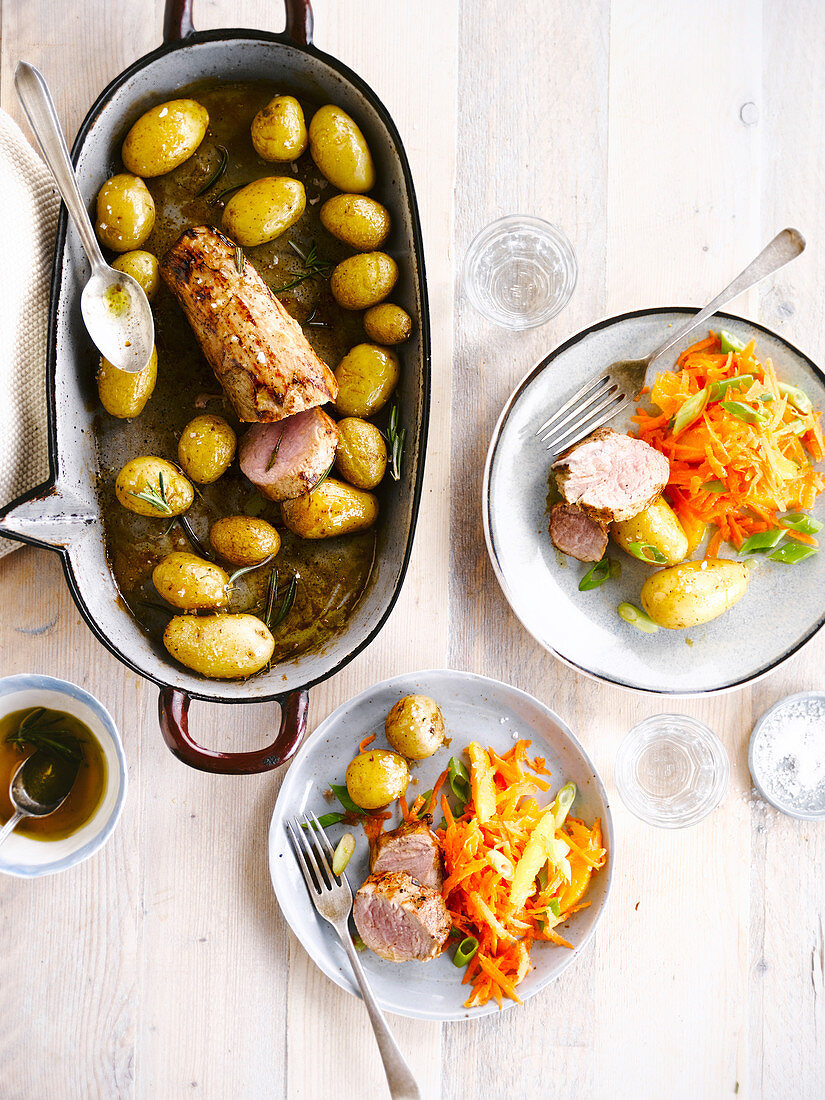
[(621, 123)]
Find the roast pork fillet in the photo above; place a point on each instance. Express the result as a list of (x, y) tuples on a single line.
[(399, 919), (611, 476), (258, 352), (284, 460), (576, 534), (412, 847)]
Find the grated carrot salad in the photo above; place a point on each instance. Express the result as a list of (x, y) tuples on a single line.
[(512, 877), (725, 471)]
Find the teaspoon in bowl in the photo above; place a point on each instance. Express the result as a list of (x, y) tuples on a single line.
[(40, 786)]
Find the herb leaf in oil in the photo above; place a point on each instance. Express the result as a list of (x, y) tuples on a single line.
[(154, 495), (216, 175), (395, 439), (313, 266), (43, 733)]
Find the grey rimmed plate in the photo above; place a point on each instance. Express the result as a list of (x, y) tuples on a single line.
[(475, 708), (782, 609)]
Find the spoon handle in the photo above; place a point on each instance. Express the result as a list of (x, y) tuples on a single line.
[(10, 824), (38, 105)]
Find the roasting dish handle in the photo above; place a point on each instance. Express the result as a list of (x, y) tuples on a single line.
[(173, 714), (177, 21)]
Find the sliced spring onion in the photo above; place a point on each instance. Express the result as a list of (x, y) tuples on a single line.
[(500, 863), (761, 541), (797, 397), (596, 575), (738, 382), (797, 427), (343, 853), (690, 411), (562, 803), (792, 552), (636, 617), (765, 397), (730, 343), (465, 951), (715, 487), (802, 522), (459, 779), (542, 877), (325, 820), (615, 569), (555, 907), (557, 854), (744, 412), (343, 796), (427, 795), (647, 552)]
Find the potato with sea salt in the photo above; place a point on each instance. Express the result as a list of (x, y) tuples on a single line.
[(415, 727), (279, 132), (366, 377), (125, 213), (376, 778), (206, 448), (164, 137), (151, 486), (694, 592), (334, 508), (340, 150), (387, 324), (143, 267), (357, 220), (364, 280), (361, 453), (124, 393), (191, 583), (220, 646), (244, 540), (264, 209)]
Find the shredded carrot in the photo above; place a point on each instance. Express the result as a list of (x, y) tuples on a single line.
[(365, 744), (738, 475), (479, 848)]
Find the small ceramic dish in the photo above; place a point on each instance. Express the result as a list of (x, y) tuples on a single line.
[(475, 708), (786, 755), (541, 585), (28, 858)]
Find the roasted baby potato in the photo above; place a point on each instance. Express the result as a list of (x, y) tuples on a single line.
[(222, 646), (164, 137), (264, 209), (387, 324), (334, 508), (340, 151), (376, 778), (656, 526), (151, 486), (279, 132), (358, 221), (206, 448), (191, 583), (142, 266), (364, 280), (125, 213), (415, 727), (361, 454), (124, 393), (244, 540), (366, 377), (694, 592)]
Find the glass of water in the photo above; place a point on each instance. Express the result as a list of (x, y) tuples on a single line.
[(672, 771), (519, 272)]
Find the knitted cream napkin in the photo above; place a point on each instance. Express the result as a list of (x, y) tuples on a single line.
[(30, 203)]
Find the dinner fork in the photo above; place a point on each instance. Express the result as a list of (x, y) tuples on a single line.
[(621, 384), (332, 897)]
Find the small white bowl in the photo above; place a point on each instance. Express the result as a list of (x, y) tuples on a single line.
[(27, 858)]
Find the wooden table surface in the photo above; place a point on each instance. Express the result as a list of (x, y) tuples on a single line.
[(670, 142)]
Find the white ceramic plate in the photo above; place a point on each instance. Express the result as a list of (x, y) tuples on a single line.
[(783, 608), (474, 708)]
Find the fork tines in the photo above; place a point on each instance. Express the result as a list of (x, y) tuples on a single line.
[(598, 401), (313, 851)]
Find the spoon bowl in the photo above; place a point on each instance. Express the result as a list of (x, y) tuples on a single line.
[(39, 786)]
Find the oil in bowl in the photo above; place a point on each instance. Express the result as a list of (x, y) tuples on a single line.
[(65, 738)]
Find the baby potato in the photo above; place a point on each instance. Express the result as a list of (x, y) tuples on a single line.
[(362, 223), (361, 454), (244, 540), (387, 324), (125, 213), (694, 592), (264, 209), (415, 727), (364, 280), (124, 393), (142, 266), (191, 583), (340, 151), (164, 137), (376, 778), (279, 132), (366, 377), (656, 526), (221, 646), (206, 448), (334, 508), (169, 492)]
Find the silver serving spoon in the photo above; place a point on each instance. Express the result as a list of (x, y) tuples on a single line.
[(115, 309), (40, 786)]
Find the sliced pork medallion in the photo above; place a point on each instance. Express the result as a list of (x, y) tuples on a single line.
[(412, 847), (284, 460), (611, 476), (399, 919), (575, 533), (258, 352)]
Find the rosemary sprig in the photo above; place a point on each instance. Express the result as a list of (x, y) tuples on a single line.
[(286, 606), (42, 734), (322, 478), (275, 449), (216, 175), (247, 569), (312, 266), (155, 495), (271, 596), (199, 546), (221, 195), (239, 261), (395, 439)]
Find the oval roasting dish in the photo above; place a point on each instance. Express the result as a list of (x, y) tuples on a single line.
[(65, 514)]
